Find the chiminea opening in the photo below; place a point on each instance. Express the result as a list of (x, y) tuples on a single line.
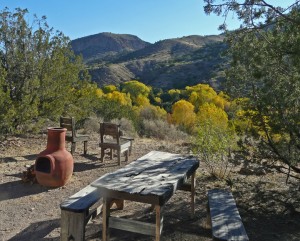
[(43, 165)]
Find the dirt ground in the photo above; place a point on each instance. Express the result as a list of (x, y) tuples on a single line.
[(270, 209)]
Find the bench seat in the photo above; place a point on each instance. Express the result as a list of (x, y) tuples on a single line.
[(79, 209), (226, 223), (76, 213)]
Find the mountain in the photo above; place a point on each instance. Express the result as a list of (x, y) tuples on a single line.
[(171, 63), (103, 45)]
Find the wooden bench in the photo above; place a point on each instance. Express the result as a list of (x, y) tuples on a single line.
[(77, 211), (225, 220)]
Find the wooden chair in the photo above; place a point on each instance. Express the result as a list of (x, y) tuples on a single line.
[(72, 136), (111, 138)]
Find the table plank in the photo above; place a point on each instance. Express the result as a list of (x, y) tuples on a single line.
[(157, 174)]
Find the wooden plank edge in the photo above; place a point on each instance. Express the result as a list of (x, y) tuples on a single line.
[(133, 225)]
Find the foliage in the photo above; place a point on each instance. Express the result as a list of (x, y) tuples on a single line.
[(38, 72), (215, 140), (109, 109), (121, 98), (183, 115), (151, 112), (109, 89), (203, 93), (83, 102), (161, 130), (265, 68), (138, 92)]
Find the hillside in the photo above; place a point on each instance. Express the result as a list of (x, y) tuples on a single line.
[(170, 63), (105, 45)]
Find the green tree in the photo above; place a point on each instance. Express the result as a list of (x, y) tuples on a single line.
[(39, 71), (265, 68)]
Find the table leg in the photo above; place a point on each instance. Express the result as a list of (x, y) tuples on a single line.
[(193, 184), (158, 222), (105, 216)]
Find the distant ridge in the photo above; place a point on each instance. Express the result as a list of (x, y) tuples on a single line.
[(171, 63), (103, 44)]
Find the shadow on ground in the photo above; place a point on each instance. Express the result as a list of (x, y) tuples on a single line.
[(12, 190), (38, 231)]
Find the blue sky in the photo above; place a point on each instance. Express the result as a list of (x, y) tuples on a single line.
[(150, 20)]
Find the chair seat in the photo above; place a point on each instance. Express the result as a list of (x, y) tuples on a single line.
[(111, 138), (123, 145), (80, 137)]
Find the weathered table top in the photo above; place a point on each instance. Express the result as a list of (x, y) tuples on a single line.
[(152, 178)]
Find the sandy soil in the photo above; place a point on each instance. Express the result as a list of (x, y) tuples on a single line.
[(270, 209)]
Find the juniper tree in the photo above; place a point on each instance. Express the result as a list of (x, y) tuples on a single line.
[(39, 71), (265, 68)]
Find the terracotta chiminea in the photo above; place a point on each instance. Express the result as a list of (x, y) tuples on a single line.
[(54, 166)]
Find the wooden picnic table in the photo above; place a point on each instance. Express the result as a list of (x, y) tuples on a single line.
[(151, 179)]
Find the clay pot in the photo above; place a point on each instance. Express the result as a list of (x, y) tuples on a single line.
[(54, 166)]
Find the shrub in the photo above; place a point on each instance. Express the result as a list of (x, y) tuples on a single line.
[(162, 130), (126, 126)]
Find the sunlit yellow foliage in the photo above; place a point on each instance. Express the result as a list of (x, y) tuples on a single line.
[(142, 100), (119, 97), (109, 89), (157, 100), (138, 91), (183, 114), (174, 93), (221, 102), (99, 92), (200, 94), (216, 116), (214, 139), (203, 93)]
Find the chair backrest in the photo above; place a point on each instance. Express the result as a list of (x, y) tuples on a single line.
[(110, 129), (69, 124)]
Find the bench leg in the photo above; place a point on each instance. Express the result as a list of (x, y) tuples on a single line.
[(111, 152), (72, 226), (84, 147), (119, 157), (193, 183), (126, 155)]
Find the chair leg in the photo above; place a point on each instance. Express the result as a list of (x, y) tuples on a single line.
[(126, 155), (84, 147), (73, 147), (102, 154), (119, 158), (130, 148), (111, 153)]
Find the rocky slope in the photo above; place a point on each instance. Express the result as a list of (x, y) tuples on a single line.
[(167, 64)]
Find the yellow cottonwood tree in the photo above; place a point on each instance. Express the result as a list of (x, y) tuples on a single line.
[(138, 91), (215, 139), (121, 98), (183, 114)]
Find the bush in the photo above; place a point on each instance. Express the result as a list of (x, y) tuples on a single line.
[(126, 126), (92, 125), (162, 130)]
